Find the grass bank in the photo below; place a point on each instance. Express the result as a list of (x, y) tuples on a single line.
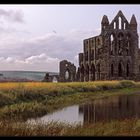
[(113, 128), (26, 100)]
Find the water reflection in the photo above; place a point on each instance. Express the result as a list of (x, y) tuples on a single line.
[(69, 115), (113, 108), (107, 109)]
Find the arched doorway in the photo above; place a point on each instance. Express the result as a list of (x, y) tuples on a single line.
[(67, 75)]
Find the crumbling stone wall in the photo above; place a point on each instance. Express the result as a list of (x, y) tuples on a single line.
[(67, 72)]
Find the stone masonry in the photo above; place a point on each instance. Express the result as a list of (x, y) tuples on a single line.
[(112, 55)]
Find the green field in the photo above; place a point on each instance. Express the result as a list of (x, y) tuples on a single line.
[(20, 101)]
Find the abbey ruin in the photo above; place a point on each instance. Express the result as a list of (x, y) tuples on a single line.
[(112, 55)]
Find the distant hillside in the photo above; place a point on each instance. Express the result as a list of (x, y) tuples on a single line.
[(30, 75)]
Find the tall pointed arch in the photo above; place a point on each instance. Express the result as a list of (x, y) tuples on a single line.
[(120, 69), (120, 22)]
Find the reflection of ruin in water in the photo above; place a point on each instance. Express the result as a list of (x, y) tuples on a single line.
[(112, 108), (101, 110)]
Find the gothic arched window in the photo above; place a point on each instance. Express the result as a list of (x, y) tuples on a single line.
[(124, 25), (120, 70), (92, 54), (99, 70), (120, 23), (128, 45), (114, 25), (111, 49), (93, 72), (86, 56), (120, 44), (127, 69), (82, 69), (87, 72)]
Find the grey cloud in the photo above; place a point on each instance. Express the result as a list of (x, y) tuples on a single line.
[(54, 45), (13, 16), (10, 31), (38, 62)]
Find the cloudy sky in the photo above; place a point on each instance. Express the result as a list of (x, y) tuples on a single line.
[(37, 37)]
